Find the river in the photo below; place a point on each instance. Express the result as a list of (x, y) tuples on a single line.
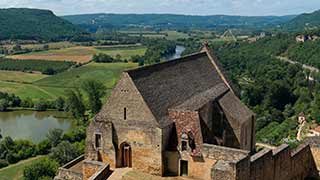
[(177, 54), (32, 125)]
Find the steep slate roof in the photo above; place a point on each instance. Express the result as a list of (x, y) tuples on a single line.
[(187, 83), (232, 105)]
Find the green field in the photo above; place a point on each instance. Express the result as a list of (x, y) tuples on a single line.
[(51, 87), (20, 77), (15, 171)]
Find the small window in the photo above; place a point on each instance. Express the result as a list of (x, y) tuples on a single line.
[(184, 145), (245, 137), (125, 113), (98, 140)]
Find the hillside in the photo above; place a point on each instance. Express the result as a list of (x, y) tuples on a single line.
[(34, 24), (304, 21), (170, 21)]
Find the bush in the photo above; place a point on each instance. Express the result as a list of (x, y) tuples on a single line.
[(43, 147), (103, 58), (41, 170), (4, 105), (55, 136), (59, 103), (3, 163), (41, 105), (64, 152)]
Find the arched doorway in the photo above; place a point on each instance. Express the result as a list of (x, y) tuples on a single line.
[(126, 155)]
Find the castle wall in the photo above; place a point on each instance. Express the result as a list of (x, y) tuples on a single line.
[(283, 164)]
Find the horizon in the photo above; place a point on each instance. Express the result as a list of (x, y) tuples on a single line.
[(178, 7)]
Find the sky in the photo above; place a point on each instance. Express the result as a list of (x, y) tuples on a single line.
[(191, 7)]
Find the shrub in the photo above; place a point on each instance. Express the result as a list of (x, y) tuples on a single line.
[(41, 105), (43, 147), (3, 163), (4, 104), (55, 136), (64, 152), (41, 170)]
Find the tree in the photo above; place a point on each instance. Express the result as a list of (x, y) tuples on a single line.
[(42, 169), (55, 136), (43, 147), (4, 104), (59, 103), (64, 152), (41, 105), (95, 90), (74, 104)]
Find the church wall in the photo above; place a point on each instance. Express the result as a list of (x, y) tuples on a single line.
[(127, 119)]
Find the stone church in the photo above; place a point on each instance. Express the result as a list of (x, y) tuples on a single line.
[(181, 118)]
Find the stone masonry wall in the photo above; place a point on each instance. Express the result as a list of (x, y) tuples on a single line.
[(187, 121), (283, 164), (90, 168)]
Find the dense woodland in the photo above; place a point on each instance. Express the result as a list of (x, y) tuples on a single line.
[(169, 21), (15, 24), (275, 90)]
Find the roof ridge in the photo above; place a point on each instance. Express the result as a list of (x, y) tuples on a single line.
[(164, 63), (216, 64)]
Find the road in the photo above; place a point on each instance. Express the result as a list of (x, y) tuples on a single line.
[(304, 66), (300, 130)]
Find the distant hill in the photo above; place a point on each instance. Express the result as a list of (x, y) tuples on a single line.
[(304, 21), (35, 24), (94, 21)]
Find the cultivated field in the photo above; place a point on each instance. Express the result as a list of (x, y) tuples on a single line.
[(20, 77), (36, 86), (52, 45), (82, 54)]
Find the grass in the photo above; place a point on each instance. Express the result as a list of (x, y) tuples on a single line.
[(51, 87), (81, 54), (107, 73), (15, 171), (21, 77)]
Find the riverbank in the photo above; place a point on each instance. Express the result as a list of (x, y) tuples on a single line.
[(15, 171)]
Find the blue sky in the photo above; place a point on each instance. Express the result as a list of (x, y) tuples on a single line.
[(194, 7)]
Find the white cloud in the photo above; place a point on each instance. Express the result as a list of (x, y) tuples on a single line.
[(202, 7)]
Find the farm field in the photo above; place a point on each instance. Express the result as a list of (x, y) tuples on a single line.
[(52, 45), (15, 171), (51, 87), (20, 77), (81, 54)]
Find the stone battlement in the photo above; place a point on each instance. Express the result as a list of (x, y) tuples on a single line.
[(282, 163)]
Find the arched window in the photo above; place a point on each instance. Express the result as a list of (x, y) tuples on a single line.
[(192, 143)]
